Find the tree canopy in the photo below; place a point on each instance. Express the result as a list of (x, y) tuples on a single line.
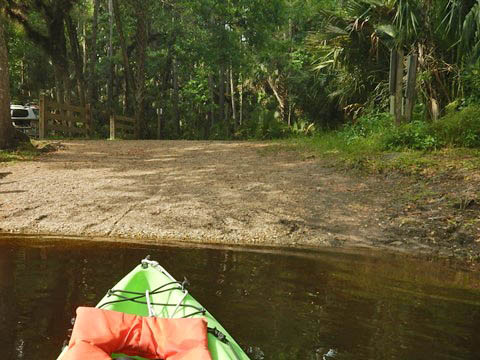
[(238, 68)]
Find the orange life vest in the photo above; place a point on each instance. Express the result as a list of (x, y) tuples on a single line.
[(98, 333)]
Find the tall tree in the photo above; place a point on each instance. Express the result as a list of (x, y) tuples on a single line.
[(7, 132), (142, 16), (77, 58), (129, 80), (92, 88), (111, 74)]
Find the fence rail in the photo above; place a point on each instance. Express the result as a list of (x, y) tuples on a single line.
[(63, 119), (123, 126)]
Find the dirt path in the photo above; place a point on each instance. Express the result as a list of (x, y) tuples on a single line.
[(222, 192)]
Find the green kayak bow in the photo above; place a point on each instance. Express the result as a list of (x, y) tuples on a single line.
[(149, 290)]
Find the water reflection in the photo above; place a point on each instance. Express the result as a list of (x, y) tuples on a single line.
[(320, 305), (7, 318)]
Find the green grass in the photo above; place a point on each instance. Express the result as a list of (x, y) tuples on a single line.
[(24, 152), (375, 144), (366, 154)]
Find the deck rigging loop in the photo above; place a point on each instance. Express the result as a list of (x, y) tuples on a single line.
[(145, 298), (179, 303), (146, 262), (185, 283), (151, 312)]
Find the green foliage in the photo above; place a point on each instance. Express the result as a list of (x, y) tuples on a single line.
[(263, 124), (377, 132), (270, 127), (302, 127), (460, 128), (416, 135), (218, 131), (29, 69), (310, 61), (457, 128), (471, 79), (369, 125), (26, 151)]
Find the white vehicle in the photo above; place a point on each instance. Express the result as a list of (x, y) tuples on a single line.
[(25, 119)]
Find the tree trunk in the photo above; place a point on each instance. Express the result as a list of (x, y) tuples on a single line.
[(84, 47), (240, 110), (59, 86), (286, 112), (56, 46), (130, 84), (141, 12), (232, 94), (211, 87), (176, 115), (221, 95), (92, 91), (77, 59), (227, 104), (58, 52), (22, 77), (164, 83), (7, 131), (290, 112), (127, 106), (110, 59), (278, 96), (62, 80)]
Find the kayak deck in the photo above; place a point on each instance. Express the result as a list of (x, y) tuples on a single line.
[(149, 290)]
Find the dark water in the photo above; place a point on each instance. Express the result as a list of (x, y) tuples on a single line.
[(278, 305)]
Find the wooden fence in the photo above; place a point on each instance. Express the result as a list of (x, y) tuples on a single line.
[(63, 119), (122, 126)]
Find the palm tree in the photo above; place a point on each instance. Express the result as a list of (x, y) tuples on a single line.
[(350, 49), (445, 34)]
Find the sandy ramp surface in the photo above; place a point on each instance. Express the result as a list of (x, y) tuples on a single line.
[(221, 192)]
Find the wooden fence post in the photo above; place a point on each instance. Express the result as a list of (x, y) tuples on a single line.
[(411, 84), (159, 123), (399, 88), (112, 127), (42, 122), (392, 79)]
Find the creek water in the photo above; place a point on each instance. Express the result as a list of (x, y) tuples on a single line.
[(277, 304)]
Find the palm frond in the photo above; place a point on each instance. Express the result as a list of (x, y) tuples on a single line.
[(470, 36), (389, 30), (407, 20)]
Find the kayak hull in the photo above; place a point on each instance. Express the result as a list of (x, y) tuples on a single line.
[(149, 290)]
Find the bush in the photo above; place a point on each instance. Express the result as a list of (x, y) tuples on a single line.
[(416, 135), (303, 128), (248, 129), (471, 80), (263, 124), (270, 127), (367, 125), (461, 128)]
